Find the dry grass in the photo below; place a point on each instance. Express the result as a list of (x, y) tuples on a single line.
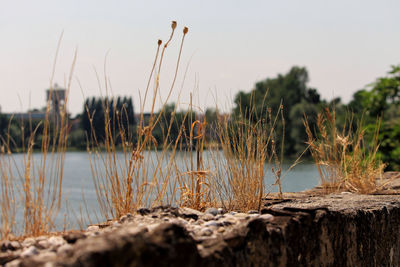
[(240, 171), (193, 178), (234, 178), (8, 192), (40, 186), (344, 159), (125, 183), (136, 178), (36, 182)]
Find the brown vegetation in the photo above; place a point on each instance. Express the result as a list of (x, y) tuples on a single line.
[(37, 184), (344, 159)]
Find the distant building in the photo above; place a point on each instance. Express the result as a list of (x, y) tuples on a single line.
[(55, 96), (30, 115)]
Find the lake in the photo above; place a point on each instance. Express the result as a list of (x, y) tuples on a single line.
[(80, 200)]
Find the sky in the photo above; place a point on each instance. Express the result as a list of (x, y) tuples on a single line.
[(345, 45)]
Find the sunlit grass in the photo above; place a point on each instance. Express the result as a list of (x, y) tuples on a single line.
[(345, 160), (37, 184)]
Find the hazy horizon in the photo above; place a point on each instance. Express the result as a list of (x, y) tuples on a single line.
[(230, 46)]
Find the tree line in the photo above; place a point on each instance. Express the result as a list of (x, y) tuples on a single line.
[(380, 100), (286, 95)]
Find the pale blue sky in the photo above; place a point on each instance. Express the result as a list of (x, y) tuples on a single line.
[(344, 45)]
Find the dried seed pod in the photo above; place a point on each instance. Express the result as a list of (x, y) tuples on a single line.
[(173, 25), (159, 42), (185, 30)]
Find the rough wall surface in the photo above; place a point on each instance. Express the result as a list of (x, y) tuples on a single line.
[(333, 230)]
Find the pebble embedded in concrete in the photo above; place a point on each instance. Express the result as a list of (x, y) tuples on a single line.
[(207, 217), (29, 252), (268, 217), (212, 211), (93, 228)]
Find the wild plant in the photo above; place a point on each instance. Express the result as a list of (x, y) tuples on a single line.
[(38, 183), (248, 144), (126, 182), (344, 159)]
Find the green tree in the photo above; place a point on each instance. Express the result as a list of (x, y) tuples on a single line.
[(121, 117), (389, 148), (300, 111), (292, 92), (381, 99), (383, 96), (178, 123), (360, 102), (211, 116), (3, 124)]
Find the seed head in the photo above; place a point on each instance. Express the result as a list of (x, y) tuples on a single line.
[(185, 30), (173, 25), (159, 42)]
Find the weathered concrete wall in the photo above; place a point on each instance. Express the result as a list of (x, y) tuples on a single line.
[(351, 230), (333, 230)]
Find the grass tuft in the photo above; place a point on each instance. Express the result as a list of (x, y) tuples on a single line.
[(37, 182), (345, 161)]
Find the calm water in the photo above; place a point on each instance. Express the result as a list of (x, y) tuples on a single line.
[(79, 192)]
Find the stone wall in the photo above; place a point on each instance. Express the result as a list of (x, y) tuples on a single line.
[(335, 230)]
